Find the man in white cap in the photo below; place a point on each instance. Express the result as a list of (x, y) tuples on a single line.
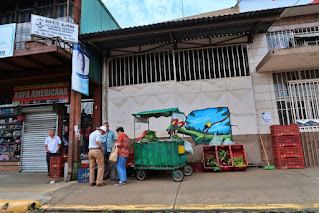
[(96, 156)]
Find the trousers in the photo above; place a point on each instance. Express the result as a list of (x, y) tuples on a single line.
[(96, 158)]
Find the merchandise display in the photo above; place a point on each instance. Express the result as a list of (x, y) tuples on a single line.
[(11, 124)]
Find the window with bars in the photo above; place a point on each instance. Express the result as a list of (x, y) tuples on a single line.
[(195, 64), (293, 99)]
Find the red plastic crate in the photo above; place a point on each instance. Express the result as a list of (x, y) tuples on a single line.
[(207, 152), (286, 139), (197, 166), (56, 172), (238, 151), (278, 130), (225, 168), (57, 161)]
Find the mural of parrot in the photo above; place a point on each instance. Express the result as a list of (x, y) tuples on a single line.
[(207, 125)]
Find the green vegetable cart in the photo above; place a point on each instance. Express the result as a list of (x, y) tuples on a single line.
[(161, 154)]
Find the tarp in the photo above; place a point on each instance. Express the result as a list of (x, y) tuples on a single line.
[(158, 113)]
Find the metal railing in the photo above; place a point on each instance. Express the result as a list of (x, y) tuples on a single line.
[(42, 42), (293, 38)]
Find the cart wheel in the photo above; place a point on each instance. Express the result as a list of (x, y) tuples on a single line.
[(178, 175), (141, 174), (188, 170)]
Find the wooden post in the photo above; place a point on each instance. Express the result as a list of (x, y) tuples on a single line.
[(75, 120)]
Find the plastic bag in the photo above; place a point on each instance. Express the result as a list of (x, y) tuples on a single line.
[(188, 147), (227, 141), (216, 141), (114, 174)]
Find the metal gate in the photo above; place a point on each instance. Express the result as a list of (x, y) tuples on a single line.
[(304, 96), (304, 99), (310, 143), (36, 127)]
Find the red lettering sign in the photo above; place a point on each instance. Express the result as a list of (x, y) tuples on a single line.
[(58, 92)]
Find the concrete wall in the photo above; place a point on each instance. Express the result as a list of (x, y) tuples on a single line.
[(234, 93)]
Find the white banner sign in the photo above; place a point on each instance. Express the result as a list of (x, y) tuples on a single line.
[(80, 69), (7, 37), (50, 28)]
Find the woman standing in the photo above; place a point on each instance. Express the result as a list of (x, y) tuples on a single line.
[(123, 153)]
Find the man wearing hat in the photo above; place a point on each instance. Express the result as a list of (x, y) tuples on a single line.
[(96, 156)]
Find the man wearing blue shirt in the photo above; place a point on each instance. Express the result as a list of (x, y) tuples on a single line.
[(108, 140)]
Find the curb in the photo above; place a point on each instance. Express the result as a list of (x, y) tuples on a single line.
[(19, 205), (182, 208)]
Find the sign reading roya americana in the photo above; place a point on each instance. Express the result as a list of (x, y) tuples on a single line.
[(47, 93)]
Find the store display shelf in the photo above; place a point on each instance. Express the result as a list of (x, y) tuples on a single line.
[(9, 143), (1, 152), (10, 115), (11, 136), (17, 123), (10, 129)]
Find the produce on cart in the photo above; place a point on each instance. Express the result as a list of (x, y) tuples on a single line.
[(153, 154)]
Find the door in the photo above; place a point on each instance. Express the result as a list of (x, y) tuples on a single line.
[(36, 127)]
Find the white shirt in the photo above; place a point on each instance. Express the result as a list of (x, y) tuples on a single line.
[(53, 143), (94, 136)]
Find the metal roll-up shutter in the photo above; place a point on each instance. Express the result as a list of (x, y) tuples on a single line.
[(36, 128)]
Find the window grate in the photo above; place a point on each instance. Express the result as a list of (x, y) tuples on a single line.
[(291, 94), (194, 64)]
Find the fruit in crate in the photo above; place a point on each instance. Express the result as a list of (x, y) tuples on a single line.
[(224, 157), (239, 161)]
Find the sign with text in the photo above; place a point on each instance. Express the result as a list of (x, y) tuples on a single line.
[(80, 69), (7, 38), (47, 93), (50, 28)]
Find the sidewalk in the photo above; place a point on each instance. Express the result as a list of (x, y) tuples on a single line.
[(254, 189)]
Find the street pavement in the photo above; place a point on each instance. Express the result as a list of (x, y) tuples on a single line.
[(255, 189)]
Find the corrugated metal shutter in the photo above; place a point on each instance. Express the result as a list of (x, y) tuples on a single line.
[(36, 127)]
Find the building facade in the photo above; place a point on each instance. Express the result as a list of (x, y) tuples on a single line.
[(211, 62), (35, 89)]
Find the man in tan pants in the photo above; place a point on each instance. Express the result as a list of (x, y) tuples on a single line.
[(96, 156)]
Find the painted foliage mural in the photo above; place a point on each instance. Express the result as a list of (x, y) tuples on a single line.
[(203, 124)]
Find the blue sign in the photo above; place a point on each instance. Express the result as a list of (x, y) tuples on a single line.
[(7, 37), (80, 69)]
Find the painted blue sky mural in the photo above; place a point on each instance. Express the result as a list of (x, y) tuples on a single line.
[(211, 115)]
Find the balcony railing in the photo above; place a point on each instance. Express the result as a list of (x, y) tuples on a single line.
[(293, 38), (43, 42)]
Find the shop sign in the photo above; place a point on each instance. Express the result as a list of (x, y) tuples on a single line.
[(47, 93), (7, 38), (50, 28), (80, 69)]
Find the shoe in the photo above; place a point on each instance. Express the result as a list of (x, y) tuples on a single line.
[(92, 184), (101, 184), (120, 183)]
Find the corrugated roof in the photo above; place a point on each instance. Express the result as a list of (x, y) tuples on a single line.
[(235, 24)]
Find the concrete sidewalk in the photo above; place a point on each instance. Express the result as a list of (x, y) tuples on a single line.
[(254, 189)]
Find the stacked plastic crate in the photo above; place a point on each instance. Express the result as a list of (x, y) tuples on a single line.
[(287, 147), (57, 167)]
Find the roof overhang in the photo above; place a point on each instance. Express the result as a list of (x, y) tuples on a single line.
[(249, 23), (298, 58), (34, 62)]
